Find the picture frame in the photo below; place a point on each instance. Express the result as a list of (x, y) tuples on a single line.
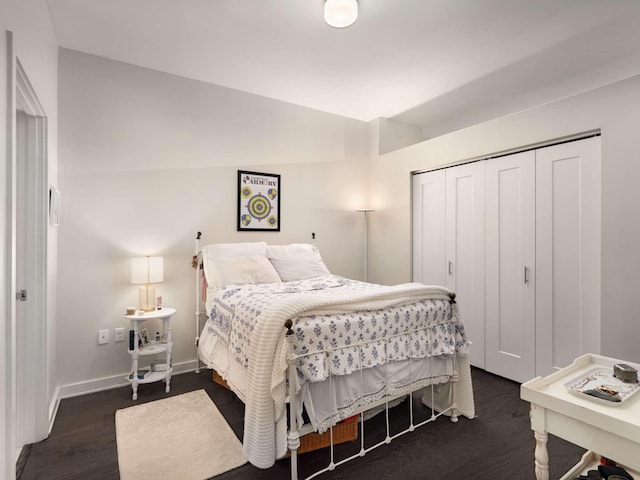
[(144, 337), (258, 201)]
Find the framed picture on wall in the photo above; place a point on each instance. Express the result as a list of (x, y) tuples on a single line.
[(258, 201)]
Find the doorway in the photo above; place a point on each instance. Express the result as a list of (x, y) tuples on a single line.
[(29, 212)]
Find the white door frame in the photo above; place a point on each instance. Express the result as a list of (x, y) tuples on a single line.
[(31, 264), (33, 360)]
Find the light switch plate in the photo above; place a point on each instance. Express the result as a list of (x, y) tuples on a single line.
[(119, 334)]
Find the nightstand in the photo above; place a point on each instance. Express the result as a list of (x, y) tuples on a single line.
[(154, 347)]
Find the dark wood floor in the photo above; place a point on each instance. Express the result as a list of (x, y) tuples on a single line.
[(498, 444)]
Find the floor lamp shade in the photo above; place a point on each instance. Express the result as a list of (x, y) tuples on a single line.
[(146, 271)]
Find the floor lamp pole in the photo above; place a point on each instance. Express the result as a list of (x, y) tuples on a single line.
[(366, 247)]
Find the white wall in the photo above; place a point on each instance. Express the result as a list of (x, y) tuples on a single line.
[(614, 109), (37, 49), (394, 135), (148, 159)]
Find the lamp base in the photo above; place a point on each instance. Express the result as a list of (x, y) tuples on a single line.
[(146, 298)]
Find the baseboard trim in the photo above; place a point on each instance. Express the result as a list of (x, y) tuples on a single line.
[(107, 383)]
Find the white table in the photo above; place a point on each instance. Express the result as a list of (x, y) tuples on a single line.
[(609, 430), (164, 345)]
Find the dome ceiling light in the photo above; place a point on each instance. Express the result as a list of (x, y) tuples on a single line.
[(340, 13)]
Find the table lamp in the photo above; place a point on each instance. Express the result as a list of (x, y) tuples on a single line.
[(145, 271)]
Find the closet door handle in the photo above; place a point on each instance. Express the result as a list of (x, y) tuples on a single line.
[(450, 267), (526, 275)]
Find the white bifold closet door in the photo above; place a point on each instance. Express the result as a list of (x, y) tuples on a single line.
[(510, 262), (518, 239), (465, 220), (567, 253), (448, 242), (542, 258), (429, 228)]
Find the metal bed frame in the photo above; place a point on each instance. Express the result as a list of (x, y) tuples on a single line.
[(296, 430)]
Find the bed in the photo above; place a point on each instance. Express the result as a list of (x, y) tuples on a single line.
[(290, 338)]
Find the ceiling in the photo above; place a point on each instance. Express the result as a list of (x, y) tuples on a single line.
[(437, 64)]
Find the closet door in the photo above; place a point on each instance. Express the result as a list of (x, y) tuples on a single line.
[(429, 228), (567, 253), (465, 250), (510, 260)]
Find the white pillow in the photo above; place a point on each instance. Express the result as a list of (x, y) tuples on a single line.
[(244, 270), (217, 250), (280, 250), (300, 266), (236, 249)]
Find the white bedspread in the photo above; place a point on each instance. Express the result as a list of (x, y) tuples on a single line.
[(265, 419)]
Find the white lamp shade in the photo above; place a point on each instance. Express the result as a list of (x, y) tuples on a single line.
[(145, 270), (340, 13)]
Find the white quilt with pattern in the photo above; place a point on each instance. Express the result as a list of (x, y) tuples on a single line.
[(328, 312), (237, 308)]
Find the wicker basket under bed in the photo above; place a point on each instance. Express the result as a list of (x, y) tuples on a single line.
[(345, 431)]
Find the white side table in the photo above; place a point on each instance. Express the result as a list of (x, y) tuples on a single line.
[(612, 431), (152, 348)]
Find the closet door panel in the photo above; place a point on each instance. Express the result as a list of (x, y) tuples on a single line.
[(429, 228), (465, 250), (567, 253), (510, 261)]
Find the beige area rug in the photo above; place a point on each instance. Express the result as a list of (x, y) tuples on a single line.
[(183, 437)]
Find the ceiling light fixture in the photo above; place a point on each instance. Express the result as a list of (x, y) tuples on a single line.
[(340, 13)]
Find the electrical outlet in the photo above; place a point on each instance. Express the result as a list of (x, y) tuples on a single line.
[(119, 334), (103, 337)]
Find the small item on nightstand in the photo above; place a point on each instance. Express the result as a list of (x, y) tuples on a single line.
[(159, 367), (604, 393), (625, 372), (157, 336), (141, 374), (131, 310)]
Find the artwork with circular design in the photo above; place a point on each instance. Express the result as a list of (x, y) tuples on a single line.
[(258, 201)]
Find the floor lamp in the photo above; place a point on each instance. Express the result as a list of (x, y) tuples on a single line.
[(366, 234)]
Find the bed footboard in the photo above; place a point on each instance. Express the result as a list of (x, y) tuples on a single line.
[(441, 395)]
